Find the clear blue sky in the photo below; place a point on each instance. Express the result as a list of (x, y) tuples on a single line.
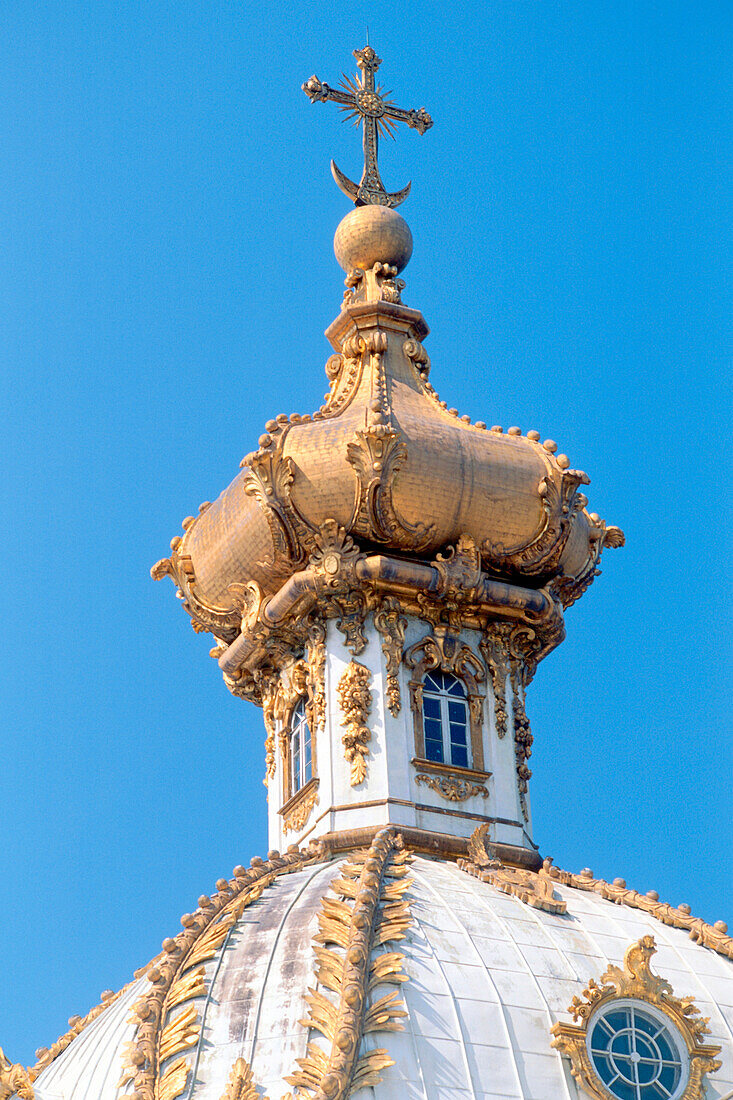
[(167, 214)]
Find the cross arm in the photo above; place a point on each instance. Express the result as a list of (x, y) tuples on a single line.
[(318, 92), (418, 120)]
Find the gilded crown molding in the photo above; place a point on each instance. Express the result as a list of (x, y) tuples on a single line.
[(636, 981)]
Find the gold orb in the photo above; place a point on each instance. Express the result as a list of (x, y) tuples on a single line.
[(370, 235)]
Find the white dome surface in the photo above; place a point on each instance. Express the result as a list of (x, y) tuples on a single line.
[(488, 977)]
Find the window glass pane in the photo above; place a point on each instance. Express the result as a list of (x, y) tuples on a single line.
[(307, 759), (433, 730), (431, 707), (456, 711), (434, 750), (459, 756), (295, 753), (455, 687), (433, 681)]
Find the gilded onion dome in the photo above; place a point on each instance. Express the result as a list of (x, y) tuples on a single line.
[(396, 470)]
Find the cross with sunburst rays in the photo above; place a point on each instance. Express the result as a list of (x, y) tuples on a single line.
[(367, 104)]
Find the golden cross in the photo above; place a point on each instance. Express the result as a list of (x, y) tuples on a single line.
[(368, 105)]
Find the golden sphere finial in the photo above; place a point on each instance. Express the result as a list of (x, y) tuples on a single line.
[(370, 235)]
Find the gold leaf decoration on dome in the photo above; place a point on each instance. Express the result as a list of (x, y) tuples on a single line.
[(369, 911), (561, 501), (714, 936), (391, 624), (177, 977), (241, 1084), (635, 980), (529, 887), (15, 1080), (182, 1032), (173, 1080), (355, 701)]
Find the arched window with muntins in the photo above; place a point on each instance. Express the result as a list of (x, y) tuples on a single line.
[(301, 757), (445, 719)]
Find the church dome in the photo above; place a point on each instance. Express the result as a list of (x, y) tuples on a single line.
[(473, 974), (382, 579)]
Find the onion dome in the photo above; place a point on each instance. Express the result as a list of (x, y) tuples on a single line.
[(387, 462)]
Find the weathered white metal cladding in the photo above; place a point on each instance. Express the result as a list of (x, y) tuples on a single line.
[(390, 792), (488, 976), (90, 1067)]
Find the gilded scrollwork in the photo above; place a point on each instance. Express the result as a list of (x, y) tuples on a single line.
[(493, 648), (344, 372), (531, 888), (355, 701), (316, 701), (377, 453), (452, 787), (269, 481), (417, 355), (300, 808), (561, 501), (522, 734), (571, 588), (636, 980), (391, 624), (378, 283), (339, 592), (15, 1080)]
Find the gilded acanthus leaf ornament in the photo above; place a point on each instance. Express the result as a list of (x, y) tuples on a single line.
[(355, 701), (392, 625), (369, 911), (241, 1084), (452, 787), (635, 981), (300, 809), (14, 1080), (166, 1018), (531, 888)]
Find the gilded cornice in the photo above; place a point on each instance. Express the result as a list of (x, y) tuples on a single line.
[(483, 863)]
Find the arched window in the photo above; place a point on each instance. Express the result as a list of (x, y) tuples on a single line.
[(301, 758), (445, 719)]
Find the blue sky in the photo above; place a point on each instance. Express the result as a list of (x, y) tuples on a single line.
[(167, 215)]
